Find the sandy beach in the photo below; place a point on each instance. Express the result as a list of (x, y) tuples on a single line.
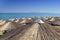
[(43, 28)]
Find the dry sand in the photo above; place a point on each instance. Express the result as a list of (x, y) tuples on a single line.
[(7, 26), (2, 22), (35, 31), (31, 33)]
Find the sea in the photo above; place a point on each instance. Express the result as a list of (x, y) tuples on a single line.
[(21, 15)]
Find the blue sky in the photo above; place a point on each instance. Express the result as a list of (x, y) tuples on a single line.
[(45, 6)]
